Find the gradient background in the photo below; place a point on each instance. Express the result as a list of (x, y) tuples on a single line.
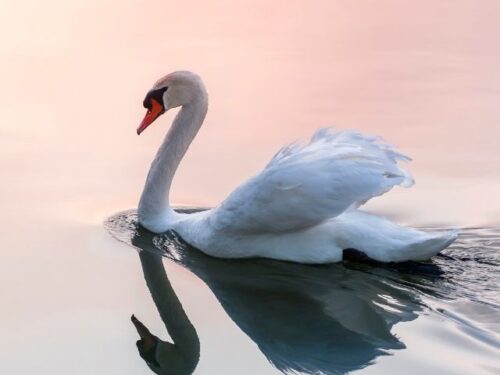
[(425, 75)]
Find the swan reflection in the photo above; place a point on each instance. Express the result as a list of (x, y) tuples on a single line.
[(181, 356), (327, 319)]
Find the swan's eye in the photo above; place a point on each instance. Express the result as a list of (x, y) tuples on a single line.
[(156, 95)]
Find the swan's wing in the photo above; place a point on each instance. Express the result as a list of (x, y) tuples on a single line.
[(304, 185)]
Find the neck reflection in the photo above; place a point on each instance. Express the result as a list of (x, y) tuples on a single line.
[(181, 356)]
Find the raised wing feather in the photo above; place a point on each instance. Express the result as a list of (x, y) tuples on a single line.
[(304, 185)]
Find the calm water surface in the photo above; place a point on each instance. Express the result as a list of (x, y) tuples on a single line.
[(426, 76), (335, 319)]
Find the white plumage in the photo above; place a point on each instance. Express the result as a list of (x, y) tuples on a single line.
[(304, 185), (302, 207)]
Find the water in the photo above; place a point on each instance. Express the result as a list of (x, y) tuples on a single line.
[(425, 76), (339, 318)]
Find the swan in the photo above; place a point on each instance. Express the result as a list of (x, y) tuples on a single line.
[(302, 207)]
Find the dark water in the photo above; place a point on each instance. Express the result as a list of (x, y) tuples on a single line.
[(340, 318)]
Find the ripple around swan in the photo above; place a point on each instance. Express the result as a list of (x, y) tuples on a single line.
[(346, 311)]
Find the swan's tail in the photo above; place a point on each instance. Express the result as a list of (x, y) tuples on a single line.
[(437, 241), (385, 241)]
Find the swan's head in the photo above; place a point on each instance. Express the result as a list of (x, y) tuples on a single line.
[(162, 357), (174, 90)]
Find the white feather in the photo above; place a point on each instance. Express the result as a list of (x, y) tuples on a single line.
[(304, 185)]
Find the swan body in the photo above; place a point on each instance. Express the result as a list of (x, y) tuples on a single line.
[(302, 207)]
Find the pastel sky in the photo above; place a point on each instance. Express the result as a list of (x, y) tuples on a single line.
[(425, 75)]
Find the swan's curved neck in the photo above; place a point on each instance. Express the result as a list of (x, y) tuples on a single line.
[(154, 208)]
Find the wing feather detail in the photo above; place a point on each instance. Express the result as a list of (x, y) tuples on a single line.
[(304, 185)]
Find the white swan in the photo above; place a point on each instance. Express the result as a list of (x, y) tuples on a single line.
[(302, 207)]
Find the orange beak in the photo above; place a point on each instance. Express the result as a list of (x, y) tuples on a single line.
[(152, 114)]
